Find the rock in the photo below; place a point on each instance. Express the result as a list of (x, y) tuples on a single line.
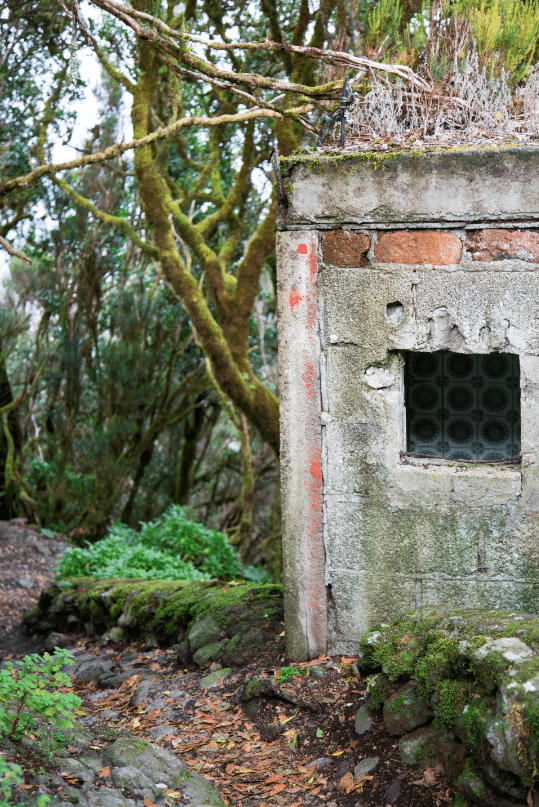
[(412, 746), (243, 646), (90, 670), (343, 767), (135, 779), (144, 691), (25, 582), (379, 689), (161, 731), (127, 618), (256, 687), (212, 680), (208, 652), (112, 680), (471, 785), (116, 634), (203, 632), (322, 763), (393, 792), (55, 639), (76, 768), (316, 671), (355, 669), (365, 766), (404, 711), (503, 739), (158, 764), (502, 781), (198, 792), (364, 720), (104, 798), (182, 652), (492, 658)]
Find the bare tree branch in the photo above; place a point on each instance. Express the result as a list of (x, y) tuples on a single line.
[(7, 246)]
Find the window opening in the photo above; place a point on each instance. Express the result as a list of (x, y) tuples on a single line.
[(463, 407)]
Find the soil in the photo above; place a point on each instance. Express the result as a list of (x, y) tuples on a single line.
[(261, 752)]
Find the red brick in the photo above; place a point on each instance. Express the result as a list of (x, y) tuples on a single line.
[(418, 246), (344, 248), (499, 245)]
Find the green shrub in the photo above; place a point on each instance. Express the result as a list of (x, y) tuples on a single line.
[(172, 548), (289, 672), (11, 776), (29, 694)]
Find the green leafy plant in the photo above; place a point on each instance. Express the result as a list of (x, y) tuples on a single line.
[(289, 672), (11, 776), (172, 547), (29, 694)]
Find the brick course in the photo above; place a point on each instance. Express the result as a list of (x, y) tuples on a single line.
[(345, 248), (419, 246), (498, 245)]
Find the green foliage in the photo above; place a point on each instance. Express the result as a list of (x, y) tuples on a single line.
[(452, 698), (11, 776), (29, 694), (383, 24), (172, 548), (289, 672), (504, 33)]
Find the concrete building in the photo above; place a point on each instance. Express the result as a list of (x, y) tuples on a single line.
[(409, 372)]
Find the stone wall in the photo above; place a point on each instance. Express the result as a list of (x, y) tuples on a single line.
[(378, 258)]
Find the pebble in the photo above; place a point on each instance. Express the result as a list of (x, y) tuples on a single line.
[(365, 766), (393, 792)]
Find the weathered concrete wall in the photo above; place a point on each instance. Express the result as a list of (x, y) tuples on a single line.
[(410, 253)]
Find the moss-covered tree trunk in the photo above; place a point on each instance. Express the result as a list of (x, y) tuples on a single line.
[(10, 447)]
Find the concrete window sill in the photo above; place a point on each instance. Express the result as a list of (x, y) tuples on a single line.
[(474, 485)]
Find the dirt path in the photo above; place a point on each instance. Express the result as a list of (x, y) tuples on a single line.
[(27, 560)]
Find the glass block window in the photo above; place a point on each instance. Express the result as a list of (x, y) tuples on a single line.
[(463, 407)]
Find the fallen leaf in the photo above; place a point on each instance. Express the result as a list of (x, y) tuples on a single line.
[(346, 780), (136, 723), (292, 739), (337, 753), (230, 768), (430, 776), (104, 772), (148, 803), (319, 733), (283, 720), (275, 778), (277, 789)]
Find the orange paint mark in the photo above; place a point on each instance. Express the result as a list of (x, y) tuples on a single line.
[(308, 378), (303, 249), (316, 469), (294, 298), (312, 263)]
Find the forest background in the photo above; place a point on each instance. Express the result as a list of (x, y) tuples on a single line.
[(138, 330)]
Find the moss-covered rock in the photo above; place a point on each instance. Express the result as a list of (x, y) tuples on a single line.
[(405, 710), (476, 673), (169, 610)]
